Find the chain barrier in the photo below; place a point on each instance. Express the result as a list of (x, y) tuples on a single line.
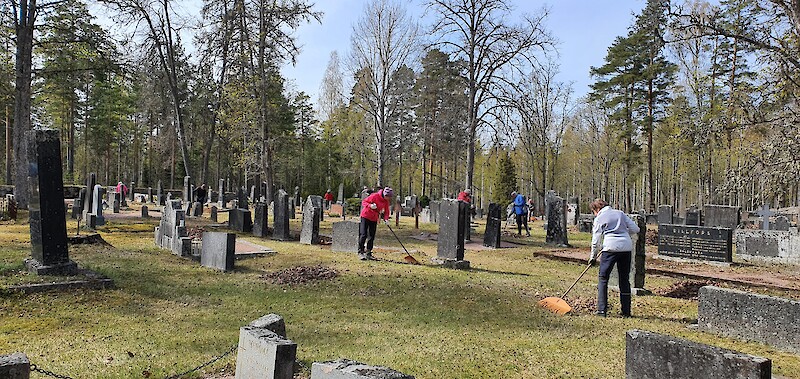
[(35, 368), (231, 350)]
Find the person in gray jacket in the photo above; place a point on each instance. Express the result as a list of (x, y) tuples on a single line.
[(612, 230)]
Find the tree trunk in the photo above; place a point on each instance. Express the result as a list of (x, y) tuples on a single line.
[(22, 97)]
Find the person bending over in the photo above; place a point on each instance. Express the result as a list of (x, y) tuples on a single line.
[(372, 208)]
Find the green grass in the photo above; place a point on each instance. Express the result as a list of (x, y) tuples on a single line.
[(171, 314)]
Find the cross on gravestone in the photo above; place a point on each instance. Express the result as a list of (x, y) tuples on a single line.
[(47, 215), (765, 214)]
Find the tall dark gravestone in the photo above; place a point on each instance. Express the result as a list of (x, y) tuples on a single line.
[(280, 230), (450, 248), (312, 210), (492, 236), (556, 220), (665, 214), (187, 190), (260, 220), (693, 217), (131, 192), (161, 199), (149, 195), (48, 223), (721, 216), (242, 199)]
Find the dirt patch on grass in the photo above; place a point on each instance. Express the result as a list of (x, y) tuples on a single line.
[(686, 289), (301, 275)]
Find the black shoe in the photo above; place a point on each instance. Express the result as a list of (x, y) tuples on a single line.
[(370, 257), (362, 256), (625, 315)]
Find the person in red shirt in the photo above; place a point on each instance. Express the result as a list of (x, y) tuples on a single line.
[(328, 197), (372, 208), (465, 196)]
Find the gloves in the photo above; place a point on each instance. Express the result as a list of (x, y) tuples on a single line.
[(386, 222), (592, 261), (373, 206)]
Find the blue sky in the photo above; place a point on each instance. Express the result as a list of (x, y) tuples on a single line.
[(585, 29)]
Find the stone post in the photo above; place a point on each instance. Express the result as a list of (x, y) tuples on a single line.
[(15, 366), (48, 223), (280, 217)]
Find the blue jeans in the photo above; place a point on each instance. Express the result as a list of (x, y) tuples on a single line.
[(622, 259)]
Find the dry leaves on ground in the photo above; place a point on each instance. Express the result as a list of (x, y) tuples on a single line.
[(301, 274)]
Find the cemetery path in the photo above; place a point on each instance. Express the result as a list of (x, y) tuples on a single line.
[(772, 276)]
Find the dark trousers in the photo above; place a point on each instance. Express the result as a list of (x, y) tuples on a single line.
[(522, 219), (622, 259), (366, 233)]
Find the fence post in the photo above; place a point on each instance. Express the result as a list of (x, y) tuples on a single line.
[(15, 366)]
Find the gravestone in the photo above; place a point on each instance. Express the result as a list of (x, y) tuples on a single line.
[(257, 189), (240, 220), (317, 202), (97, 212), (221, 199), (693, 217), (312, 211), (260, 220), (131, 191), (149, 195), (115, 207), (468, 224), (340, 195), (160, 197), (434, 207), (754, 317), (15, 366), (297, 200), (765, 214), (450, 247), (280, 230), (171, 232), (47, 216), (145, 212), (695, 242), (492, 236), (241, 198), (665, 214), (721, 216), (253, 194), (186, 196), (219, 250), (77, 208), (556, 220), (349, 369), (651, 355), (345, 237), (781, 223), (292, 207), (337, 209), (214, 216), (88, 199), (263, 353), (572, 214)]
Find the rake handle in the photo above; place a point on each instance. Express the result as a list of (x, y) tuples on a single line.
[(579, 278), (398, 239)]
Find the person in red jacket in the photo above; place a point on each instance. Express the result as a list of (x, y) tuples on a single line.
[(465, 196), (328, 197), (372, 208)]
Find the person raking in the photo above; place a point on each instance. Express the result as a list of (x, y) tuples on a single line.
[(373, 207), (614, 228)]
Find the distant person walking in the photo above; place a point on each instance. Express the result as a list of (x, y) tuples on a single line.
[(614, 229), (200, 194), (122, 190), (521, 210), (328, 197), (373, 208)]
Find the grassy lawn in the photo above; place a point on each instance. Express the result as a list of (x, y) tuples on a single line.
[(168, 314)]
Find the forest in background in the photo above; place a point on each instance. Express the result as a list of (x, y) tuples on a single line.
[(696, 104)]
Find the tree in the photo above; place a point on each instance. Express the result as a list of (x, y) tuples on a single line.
[(478, 32), (25, 12), (382, 42), (505, 180), (331, 90)]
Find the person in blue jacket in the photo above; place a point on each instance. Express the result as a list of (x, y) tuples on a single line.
[(521, 210), (614, 228)]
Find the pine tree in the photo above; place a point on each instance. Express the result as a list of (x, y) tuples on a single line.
[(505, 181)]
